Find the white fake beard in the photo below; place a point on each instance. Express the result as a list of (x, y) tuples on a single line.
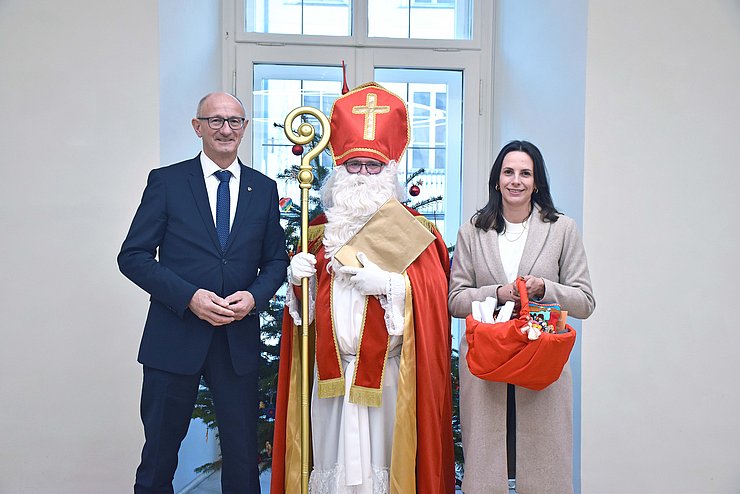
[(350, 200)]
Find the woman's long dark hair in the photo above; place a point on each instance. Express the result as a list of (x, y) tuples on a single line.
[(491, 216)]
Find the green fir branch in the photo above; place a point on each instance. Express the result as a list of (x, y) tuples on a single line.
[(426, 202), (410, 178)]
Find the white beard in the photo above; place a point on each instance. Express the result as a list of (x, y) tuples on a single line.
[(350, 200)]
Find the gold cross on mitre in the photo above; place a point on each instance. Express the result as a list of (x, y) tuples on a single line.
[(370, 110)]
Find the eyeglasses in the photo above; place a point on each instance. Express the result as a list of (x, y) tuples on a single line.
[(216, 123), (372, 168)]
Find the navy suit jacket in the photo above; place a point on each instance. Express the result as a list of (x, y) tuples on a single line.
[(172, 250)]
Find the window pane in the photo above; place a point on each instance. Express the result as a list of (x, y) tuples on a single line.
[(317, 17), (420, 19), (434, 98), (419, 155), (278, 89)]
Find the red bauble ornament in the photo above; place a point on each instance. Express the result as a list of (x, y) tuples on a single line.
[(414, 190), (297, 150)]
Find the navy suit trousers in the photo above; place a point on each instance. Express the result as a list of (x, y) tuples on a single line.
[(167, 402)]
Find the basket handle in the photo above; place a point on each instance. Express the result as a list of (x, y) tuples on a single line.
[(521, 286)]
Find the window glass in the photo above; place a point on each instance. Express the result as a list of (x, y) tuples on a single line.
[(434, 98), (278, 89), (420, 19), (316, 17)]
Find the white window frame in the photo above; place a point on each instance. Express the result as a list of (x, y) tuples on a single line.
[(474, 58), (359, 30)]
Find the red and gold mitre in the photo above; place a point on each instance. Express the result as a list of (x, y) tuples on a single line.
[(369, 122)]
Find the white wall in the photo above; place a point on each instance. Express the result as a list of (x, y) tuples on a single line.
[(190, 67), (539, 84), (80, 103), (660, 365), (85, 100)]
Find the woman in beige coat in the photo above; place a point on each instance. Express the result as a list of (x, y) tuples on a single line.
[(518, 233)]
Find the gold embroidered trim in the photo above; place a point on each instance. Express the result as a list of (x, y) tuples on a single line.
[(426, 223), (315, 232), (293, 418), (330, 388), (369, 150), (357, 358), (370, 111), (315, 238), (360, 395), (382, 373), (402, 477), (369, 397)]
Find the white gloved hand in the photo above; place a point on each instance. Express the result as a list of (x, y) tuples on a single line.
[(302, 265), (369, 279)]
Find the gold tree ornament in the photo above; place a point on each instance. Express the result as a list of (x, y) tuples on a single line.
[(302, 136)]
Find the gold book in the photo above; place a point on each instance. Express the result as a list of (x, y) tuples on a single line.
[(393, 238)]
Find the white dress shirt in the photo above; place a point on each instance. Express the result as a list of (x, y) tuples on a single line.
[(212, 182)]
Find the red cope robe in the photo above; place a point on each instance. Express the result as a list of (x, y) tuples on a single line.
[(435, 461)]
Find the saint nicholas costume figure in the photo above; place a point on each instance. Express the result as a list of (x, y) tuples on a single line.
[(381, 401)]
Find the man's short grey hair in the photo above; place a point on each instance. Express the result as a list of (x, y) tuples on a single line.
[(202, 101)]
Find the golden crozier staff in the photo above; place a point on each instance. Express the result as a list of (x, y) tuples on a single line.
[(305, 134)]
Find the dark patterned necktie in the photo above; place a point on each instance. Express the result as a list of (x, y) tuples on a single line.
[(223, 207)]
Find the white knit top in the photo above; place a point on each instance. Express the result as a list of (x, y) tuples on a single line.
[(511, 247)]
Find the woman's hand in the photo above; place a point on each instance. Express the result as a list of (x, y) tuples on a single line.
[(535, 287), (506, 293)]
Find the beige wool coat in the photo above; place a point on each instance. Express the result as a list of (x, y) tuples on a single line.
[(544, 419)]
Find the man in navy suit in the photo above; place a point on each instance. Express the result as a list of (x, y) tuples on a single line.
[(207, 245)]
